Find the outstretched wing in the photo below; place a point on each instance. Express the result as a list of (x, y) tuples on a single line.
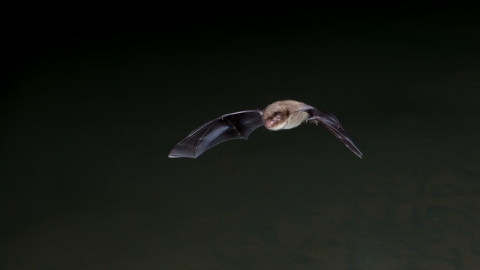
[(331, 122), (237, 125)]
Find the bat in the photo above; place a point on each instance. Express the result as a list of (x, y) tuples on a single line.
[(286, 114)]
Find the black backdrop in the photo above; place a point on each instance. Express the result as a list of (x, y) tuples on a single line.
[(94, 100)]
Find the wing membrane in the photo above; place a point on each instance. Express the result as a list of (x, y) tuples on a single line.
[(231, 126), (331, 122)]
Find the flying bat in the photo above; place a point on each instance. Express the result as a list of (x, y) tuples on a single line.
[(286, 114)]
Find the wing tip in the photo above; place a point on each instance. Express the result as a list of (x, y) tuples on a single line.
[(172, 154), (359, 154), (355, 150)]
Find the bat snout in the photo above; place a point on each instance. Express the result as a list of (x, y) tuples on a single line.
[(269, 123)]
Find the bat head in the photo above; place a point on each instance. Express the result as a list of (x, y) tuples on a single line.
[(275, 116)]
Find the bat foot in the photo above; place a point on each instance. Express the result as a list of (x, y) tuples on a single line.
[(313, 120)]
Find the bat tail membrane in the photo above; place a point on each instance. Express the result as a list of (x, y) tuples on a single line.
[(237, 125)]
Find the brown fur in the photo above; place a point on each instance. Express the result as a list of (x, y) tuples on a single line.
[(284, 114)]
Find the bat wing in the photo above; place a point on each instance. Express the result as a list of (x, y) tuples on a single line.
[(331, 122), (231, 126)]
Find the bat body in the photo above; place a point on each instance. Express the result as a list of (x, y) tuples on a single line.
[(279, 115)]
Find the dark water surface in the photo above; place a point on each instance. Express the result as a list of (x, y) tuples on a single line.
[(87, 125)]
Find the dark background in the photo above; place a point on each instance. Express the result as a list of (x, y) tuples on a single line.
[(93, 101)]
